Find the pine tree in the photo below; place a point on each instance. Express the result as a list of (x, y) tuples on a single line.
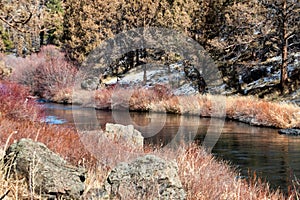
[(26, 23), (283, 17), (88, 23)]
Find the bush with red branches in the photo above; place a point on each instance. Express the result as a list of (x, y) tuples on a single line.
[(17, 103), (48, 73)]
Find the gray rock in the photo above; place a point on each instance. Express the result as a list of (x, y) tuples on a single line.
[(90, 83), (290, 131), (147, 177), (46, 173), (124, 134)]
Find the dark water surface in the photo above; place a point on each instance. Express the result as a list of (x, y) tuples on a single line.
[(274, 157)]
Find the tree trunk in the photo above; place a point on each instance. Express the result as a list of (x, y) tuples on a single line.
[(42, 36), (137, 57), (284, 55), (145, 74)]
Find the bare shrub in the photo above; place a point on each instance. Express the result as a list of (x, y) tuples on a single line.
[(140, 98), (23, 68), (47, 73), (53, 75)]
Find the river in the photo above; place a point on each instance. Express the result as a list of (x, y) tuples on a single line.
[(275, 158)]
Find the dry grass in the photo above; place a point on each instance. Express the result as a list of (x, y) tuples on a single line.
[(206, 178), (245, 109), (262, 112), (13, 189), (203, 176)]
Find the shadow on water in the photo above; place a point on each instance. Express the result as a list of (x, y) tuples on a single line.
[(273, 157)]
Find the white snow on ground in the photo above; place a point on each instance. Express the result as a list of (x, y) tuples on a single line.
[(277, 58), (185, 89), (175, 78)]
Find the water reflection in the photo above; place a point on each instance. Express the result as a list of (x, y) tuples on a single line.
[(274, 157)]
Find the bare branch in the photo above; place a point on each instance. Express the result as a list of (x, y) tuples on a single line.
[(13, 26)]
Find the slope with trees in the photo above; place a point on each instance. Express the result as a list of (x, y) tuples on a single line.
[(239, 35)]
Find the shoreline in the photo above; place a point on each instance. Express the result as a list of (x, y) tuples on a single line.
[(19, 120), (245, 109)]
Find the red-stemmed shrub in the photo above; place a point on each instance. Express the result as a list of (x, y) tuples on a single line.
[(54, 75), (48, 73), (17, 103)]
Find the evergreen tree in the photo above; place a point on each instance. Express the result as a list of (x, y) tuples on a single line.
[(284, 19), (26, 23), (88, 23)]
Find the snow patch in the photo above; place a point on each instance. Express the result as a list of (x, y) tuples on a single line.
[(173, 76), (185, 89)]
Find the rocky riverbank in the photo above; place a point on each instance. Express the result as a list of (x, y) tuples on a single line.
[(188, 173)]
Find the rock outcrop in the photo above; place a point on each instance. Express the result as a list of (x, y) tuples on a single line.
[(46, 173), (148, 177)]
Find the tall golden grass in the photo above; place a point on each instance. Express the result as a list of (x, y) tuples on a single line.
[(204, 177), (245, 109), (262, 112)]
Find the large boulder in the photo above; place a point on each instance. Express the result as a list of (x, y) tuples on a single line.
[(46, 173), (148, 177), (124, 134)]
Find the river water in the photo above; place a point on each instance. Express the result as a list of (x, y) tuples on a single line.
[(275, 158)]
